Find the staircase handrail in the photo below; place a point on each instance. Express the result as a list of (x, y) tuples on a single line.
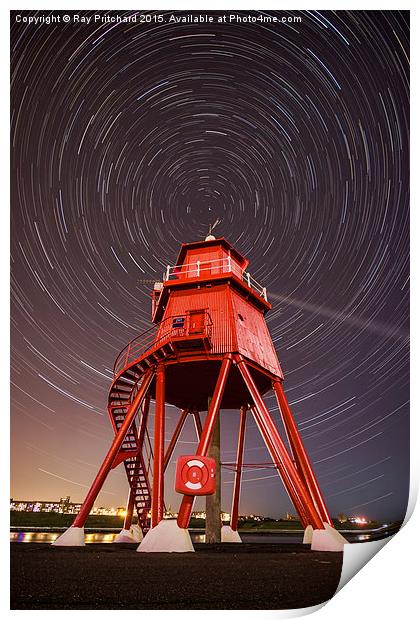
[(146, 343)]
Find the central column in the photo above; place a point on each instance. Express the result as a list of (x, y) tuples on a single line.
[(213, 502), (206, 436), (158, 448)]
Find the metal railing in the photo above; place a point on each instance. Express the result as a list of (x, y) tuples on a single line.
[(252, 283), (213, 267), (177, 326)]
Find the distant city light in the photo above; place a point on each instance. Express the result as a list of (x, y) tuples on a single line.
[(360, 520), (65, 506)]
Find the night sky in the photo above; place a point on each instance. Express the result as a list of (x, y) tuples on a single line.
[(128, 139)]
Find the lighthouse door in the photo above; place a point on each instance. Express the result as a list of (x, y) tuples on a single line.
[(197, 321)]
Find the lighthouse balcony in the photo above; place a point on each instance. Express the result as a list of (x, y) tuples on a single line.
[(175, 334), (210, 268)]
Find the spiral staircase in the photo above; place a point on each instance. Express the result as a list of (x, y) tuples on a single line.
[(141, 354)]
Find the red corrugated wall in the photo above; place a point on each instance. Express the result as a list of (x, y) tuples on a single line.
[(254, 340), (215, 300), (217, 254), (200, 254), (230, 333)]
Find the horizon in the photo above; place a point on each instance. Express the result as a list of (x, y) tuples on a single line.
[(285, 517)]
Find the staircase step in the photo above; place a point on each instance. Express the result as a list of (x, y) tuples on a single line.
[(124, 397), (118, 410), (126, 389), (118, 399), (124, 386), (132, 373)]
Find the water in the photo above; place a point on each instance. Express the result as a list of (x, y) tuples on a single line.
[(49, 537), (108, 537)]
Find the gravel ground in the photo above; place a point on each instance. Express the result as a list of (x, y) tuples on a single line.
[(221, 576)]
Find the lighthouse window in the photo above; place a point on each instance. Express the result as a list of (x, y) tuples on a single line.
[(240, 317)]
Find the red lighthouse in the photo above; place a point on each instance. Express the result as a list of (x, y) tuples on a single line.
[(209, 349)]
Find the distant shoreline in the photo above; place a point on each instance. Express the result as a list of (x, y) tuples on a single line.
[(197, 530), (29, 521)]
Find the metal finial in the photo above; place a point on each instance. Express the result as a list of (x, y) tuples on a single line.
[(211, 237)]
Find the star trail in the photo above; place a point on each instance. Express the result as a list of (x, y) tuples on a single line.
[(129, 137)]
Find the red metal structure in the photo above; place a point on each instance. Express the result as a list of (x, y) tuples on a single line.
[(210, 344)]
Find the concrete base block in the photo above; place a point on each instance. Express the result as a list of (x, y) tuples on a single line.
[(72, 537), (166, 537), (125, 536), (308, 534), (136, 533), (328, 540), (229, 535)]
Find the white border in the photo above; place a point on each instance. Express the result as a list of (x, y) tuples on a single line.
[(386, 587)]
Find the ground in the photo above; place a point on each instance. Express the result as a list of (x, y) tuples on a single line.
[(221, 576)]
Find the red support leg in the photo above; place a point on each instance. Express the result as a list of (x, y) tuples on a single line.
[(112, 452), (197, 424), (128, 519), (294, 486), (158, 448), (205, 439), (238, 470), (174, 439), (301, 457), (296, 500)]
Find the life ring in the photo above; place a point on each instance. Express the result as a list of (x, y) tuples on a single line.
[(195, 475)]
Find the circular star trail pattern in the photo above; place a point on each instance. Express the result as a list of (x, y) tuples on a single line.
[(131, 138)]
